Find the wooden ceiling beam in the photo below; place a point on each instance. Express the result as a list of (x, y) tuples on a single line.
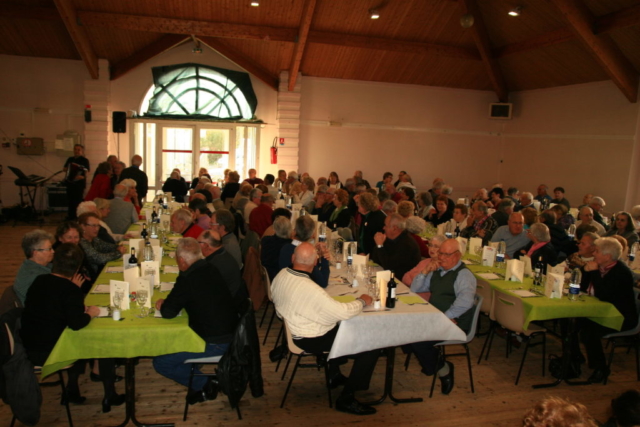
[(233, 55), (483, 44), (186, 27), (624, 18), (602, 48), (379, 43), (163, 44), (301, 42), (78, 35), (18, 11)]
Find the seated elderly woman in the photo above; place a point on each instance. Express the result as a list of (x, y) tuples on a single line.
[(442, 213), (231, 186), (55, 302), (103, 209), (425, 204), (278, 212), (70, 232), (540, 247), (624, 227), (307, 188), (389, 207), (415, 226), (564, 218), (97, 251), (340, 217), (271, 245), (177, 187), (479, 223), (304, 231), (530, 217), (202, 172), (38, 250), (481, 195), (101, 183), (242, 197), (132, 194), (406, 209)]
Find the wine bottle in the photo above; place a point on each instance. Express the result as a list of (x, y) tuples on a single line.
[(154, 215), (537, 272), (144, 233), (391, 292), (133, 261)]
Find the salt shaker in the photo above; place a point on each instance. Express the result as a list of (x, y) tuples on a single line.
[(115, 314)]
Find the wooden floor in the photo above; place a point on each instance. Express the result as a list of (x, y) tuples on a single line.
[(496, 402)]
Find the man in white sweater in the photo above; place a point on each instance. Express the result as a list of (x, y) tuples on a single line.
[(313, 318)]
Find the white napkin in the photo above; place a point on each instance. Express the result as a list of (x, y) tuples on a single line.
[(115, 269), (515, 270), (474, 243), (528, 271), (383, 278), (488, 256), (166, 286), (554, 284), (171, 269)]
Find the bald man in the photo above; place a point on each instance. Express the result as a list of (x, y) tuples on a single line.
[(313, 317), (134, 172)]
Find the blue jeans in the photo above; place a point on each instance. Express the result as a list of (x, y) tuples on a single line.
[(173, 367)]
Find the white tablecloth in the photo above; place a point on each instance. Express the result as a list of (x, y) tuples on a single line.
[(404, 324)]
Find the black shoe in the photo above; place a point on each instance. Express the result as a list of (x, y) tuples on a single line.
[(116, 400), (73, 397), (210, 389), (97, 378), (351, 406), (446, 382), (337, 381), (598, 376), (277, 353), (195, 396)]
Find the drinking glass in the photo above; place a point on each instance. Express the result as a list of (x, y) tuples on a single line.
[(141, 297), (165, 225), (117, 299)]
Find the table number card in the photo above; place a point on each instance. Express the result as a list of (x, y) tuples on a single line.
[(554, 284), (515, 270), (119, 286), (558, 269), (527, 266), (474, 243), (142, 284), (488, 256), (150, 270), (383, 278), (138, 245), (131, 274), (165, 217), (359, 260), (463, 244)]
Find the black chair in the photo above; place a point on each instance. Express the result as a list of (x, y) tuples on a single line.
[(629, 339)]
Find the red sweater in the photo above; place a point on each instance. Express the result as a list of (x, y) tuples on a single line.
[(260, 218), (100, 187)]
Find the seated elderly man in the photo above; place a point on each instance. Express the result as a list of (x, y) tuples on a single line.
[(512, 234), (182, 223), (480, 224), (37, 248), (459, 220), (503, 210), (253, 180), (313, 318), (216, 192), (260, 217), (213, 314), (395, 249), (175, 186), (543, 196), (213, 251), (586, 217), (453, 288), (322, 203), (224, 223), (526, 201), (254, 200), (610, 280), (540, 248), (586, 248), (513, 194), (122, 213), (304, 230), (273, 244), (598, 204), (559, 238)]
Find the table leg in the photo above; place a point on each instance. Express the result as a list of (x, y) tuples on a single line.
[(130, 402), (388, 382), (569, 334)]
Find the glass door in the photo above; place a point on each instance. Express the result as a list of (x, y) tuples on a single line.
[(177, 151), (214, 152)]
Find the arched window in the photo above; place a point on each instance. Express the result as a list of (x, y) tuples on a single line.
[(200, 92)]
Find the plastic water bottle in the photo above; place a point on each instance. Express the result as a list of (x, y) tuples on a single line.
[(574, 284), (502, 248), (571, 232), (632, 252), (148, 251), (322, 235)]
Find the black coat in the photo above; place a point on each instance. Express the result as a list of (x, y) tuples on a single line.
[(547, 252), (142, 182), (371, 224)]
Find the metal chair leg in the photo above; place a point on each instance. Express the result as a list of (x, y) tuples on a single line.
[(466, 348), (326, 377), (613, 349), (407, 361), (66, 401), (435, 374), (186, 403), (489, 341), (287, 366), (293, 374), (524, 356), (265, 313)]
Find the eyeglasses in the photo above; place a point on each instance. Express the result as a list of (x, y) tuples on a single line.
[(44, 250), (92, 225), (444, 254), (202, 243)]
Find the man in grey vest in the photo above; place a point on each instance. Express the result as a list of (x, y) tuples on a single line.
[(453, 288)]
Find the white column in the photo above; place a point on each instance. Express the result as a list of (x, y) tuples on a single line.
[(96, 133), (288, 123)]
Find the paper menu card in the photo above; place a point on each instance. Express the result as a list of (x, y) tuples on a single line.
[(515, 270), (383, 278), (120, 286), (558, 269), (528, 271), (488, 256), (463, 244), (279, 203), (131, 274), (474, 243), (554, 284), (165, 217), (150, 270), (359, 260), (142, 284)]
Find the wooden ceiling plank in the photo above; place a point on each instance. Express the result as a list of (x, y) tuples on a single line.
[(12, 10), (603, 49), (624, 18), (184, 26), (547, 39), (242, 60), (379, 43), (481, 38), (78, 35), (156, 48), (303, 32)]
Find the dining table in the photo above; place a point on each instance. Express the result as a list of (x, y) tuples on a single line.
[(412, 320), (130, 337)]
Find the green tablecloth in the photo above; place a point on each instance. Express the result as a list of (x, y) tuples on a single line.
[(131, 337), (543, 308)]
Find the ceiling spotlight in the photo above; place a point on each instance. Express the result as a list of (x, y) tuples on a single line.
[(374, 14), (197, 50), (466, 20), (255, 3), (515, 11)]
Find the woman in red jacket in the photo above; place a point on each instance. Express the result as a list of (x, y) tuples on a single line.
[(101, 184)]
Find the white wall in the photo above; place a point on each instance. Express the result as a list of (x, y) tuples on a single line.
[(579, 137)]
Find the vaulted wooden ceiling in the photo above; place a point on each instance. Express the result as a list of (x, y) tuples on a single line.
[(552, 42)]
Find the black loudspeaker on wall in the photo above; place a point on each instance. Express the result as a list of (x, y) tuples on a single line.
[(119, 120)]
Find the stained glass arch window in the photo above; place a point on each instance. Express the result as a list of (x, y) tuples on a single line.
[(201, 92)]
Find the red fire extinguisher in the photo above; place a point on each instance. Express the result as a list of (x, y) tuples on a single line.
[(274, 151)]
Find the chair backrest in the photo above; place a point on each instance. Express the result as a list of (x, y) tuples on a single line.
[(508, 311), (9, 300), (293, 348), (267, 282), (10, 338), (251, 240), (484, 289), (252, 276), (476, 313)]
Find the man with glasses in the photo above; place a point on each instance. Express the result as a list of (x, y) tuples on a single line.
[(453, 288), (213, 251), (513, 234)]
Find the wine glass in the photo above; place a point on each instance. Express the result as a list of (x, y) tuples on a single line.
[(117, 299), (141, 297), (165, 225)]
